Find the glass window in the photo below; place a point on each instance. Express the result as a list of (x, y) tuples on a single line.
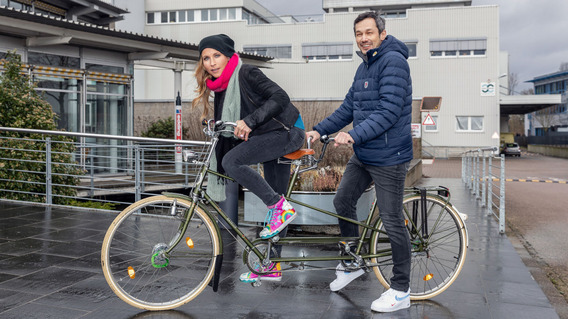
[(469, 123), (212, 14), (150, 17), (277, 51), (190, 16), (411, 49), (232, 13), (476, 123), (458, 47), (327, 51), (173, 15), (104, 68), (164, 18), (204, 15), (53, 60), (66, 105), (181, 16), (223, 14), (462, 123)]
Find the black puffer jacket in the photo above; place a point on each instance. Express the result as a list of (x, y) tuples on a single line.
[(265, 106)]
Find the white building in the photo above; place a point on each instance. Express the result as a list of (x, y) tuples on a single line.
[(454, 51)]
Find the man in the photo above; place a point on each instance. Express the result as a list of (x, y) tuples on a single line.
[(379, 103)]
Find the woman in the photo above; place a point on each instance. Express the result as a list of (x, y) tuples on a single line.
[(268, 127)]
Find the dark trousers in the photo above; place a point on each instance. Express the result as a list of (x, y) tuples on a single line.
[(265, 149), (389, 187)]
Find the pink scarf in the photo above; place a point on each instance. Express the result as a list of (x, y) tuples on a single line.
[(220, 84)]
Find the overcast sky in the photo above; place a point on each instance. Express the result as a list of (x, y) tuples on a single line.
[(534, 33)]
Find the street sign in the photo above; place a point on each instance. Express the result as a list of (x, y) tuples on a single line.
[(415, 129), (428, 120)]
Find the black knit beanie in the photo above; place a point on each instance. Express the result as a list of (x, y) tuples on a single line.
[(219, 42)]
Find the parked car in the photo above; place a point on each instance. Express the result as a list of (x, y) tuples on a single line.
[(512, 149)]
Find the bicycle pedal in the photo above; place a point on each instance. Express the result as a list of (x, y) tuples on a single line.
[(274, 239)]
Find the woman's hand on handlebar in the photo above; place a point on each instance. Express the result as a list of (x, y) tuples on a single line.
[(242, 130), (343, 138)]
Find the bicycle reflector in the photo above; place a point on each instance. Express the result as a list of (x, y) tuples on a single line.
[(428, 277), (131, 272), (189, 242)]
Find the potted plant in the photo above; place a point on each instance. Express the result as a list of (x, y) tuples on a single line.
[(316, 188)]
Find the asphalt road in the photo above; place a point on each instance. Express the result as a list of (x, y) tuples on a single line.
[(537, 217)]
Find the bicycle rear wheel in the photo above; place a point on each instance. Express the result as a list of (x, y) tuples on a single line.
[(437, 257), (135, 260)]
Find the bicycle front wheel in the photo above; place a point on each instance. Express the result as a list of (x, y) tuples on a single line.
[(439, 246), (148, 259)]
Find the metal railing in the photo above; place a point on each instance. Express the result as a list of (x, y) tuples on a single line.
[(484, 174), (98, 168)]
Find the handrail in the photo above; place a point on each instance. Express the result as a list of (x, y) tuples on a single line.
[(480, 179), (104, 136)]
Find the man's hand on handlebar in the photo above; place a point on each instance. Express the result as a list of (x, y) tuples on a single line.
[(312, 136), (343, 138)]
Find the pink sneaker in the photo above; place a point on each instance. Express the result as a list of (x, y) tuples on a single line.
[(280, 215), (249, 277)]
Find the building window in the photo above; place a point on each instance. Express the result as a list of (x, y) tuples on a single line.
[(458, 47), (190, 16), (164, 17), (411, 49), (277, 51), (204, 15), (212, 14), (37, 58), (327, 51), (150, 17), (223, 14), (181, 16), (469, 123), (431, 128)]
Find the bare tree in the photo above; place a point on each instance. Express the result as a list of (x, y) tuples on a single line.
[(563, 66), (547, 117), (527, 91), (513, 81)]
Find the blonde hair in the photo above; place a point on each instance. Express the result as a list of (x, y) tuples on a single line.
[(203, 92)]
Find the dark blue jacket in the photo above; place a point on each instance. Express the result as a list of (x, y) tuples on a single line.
[(379, 103)]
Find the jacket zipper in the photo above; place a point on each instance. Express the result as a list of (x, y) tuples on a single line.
[(283, 125)]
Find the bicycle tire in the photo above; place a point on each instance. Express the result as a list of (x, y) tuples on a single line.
[(133, 259), (437, 260)]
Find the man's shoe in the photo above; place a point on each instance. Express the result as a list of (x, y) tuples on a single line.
[(344, 277), (250, 277), (392, 300)]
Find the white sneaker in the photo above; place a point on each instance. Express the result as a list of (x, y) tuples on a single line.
[(344, 277), (392, 300)]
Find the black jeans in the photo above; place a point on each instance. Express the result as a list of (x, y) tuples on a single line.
[(389, 187), (266, 149)]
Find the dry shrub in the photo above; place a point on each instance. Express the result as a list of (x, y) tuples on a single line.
[(325, 179)]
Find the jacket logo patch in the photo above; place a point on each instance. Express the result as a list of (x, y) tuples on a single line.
[(366, 84)]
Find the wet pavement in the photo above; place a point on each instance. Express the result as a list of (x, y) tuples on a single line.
[(50, 268)]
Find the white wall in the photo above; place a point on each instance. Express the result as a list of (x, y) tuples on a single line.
[(457, 80)]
